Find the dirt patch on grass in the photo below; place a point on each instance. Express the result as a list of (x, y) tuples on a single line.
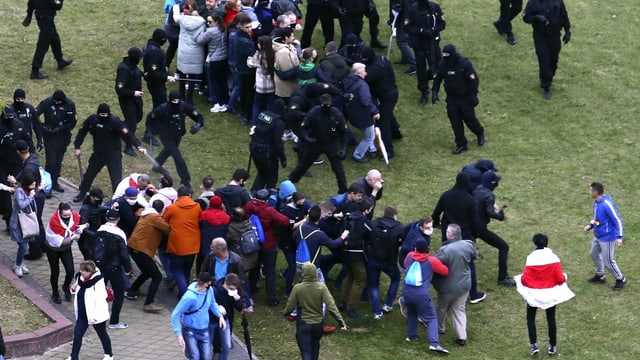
[(17, 314)]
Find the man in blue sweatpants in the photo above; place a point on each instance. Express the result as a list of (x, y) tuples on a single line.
[(608, 231)]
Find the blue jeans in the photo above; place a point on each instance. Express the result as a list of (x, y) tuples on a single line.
[(166, 264), (235, 89), (217, 82), (366, 144), (421, 307), (374, 269), (197, 343), (78, 332), (290, 272), (22, 250), (261, 102), (402, 39), (181, 271), (308, 337), (225, 337)]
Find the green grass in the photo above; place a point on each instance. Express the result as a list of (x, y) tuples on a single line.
[(547, 151), (17, 314)]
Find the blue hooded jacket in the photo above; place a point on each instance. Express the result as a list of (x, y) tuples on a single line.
[(607, 224), (193, 300)]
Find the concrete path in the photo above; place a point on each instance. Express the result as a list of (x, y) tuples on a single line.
[(149, 336)]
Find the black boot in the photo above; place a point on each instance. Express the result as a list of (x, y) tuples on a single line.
[(36, 74), (376, 44), (424, 99), (64, 63)]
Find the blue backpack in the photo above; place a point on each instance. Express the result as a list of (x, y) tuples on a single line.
[(256, 224), (414, 275), (302, 252)]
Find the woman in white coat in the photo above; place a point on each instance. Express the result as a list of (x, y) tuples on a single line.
[(91, 308), (190, 53)]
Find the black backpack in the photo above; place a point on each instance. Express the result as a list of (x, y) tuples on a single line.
[(105, 248), (380, 245), (249, 242)]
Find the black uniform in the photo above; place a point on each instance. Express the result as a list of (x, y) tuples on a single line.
[(266, 146), (461, 84), (26, 113), (107, 132), (350, 14), (48, 37), (59, 119), (423, 23), (324, 130), (547, 17), (128, 81), (168, 121), (155, 72), (374, 20), (509, 9), (322, 10)]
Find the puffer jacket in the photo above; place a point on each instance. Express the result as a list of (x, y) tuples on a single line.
[(190, 53), (95, 297), (216, 41)]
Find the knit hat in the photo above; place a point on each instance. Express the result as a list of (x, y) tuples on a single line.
[(104, 109), (131, 192), (422, 246), (215, 202), (351, 39), (367, 52), (485, 165), (59, 95), (22, 145), (97, 193), (159, 36)]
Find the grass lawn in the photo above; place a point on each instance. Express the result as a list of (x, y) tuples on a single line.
[(17, 314), (547, 152)]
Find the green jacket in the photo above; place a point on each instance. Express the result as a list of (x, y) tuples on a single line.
[(309, 295)]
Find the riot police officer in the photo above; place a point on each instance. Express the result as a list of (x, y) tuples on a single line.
[(461, 84), (107, 130), (59, 119), (155, 72), (547, 17), (129, 90), (26, 113), (266, 146), (168, 121), (423, 23), (324, 130)]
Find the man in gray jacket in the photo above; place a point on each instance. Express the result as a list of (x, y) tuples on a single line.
[(457, 254)]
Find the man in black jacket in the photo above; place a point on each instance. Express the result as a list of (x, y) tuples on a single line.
[(91, 212), (129, 90), (168, 120), (48, 37), (26, 113), (461, 84), (487, 210), (382, 251), (234, 194), (107, 131), (457, 206), (155, 72)]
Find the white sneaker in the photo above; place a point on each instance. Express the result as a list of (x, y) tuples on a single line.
[(222, 108), (377, 316), (119, 325), (387, 308), (107, 357), (25, 270), (68, 358), (215, 108), (18, 271)]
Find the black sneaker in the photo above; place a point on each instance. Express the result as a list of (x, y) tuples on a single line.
[(534, 349), (597, 279), (459, 150), (620, 284), (38, 76), (130, 295), (547, 93), (56, 298), (552, 350), (78, 198), (511, 40), (507, 282), (478, 298), (67, 295), (64, 63), (411, 71)]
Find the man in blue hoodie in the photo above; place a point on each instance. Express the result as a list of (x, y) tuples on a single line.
[(190, 318), (608, 231)]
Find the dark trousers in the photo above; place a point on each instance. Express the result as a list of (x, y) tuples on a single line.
[(48, 37), (66, 257), (158, 92), (149, 270), (37, 246), (426, 62), (171, 148), (402, 39), (308, 337), (289, 273), (78, 332), (261, 102), (188, 85), (551, 323), (473, 292), (351, 23), (247, 92), (548, 52), (132, 113), (171, 50), (421, 308), (180, 267), (310, 154), (317, 12), (54, 150), (217, 81), (503, 250), (268, 258), (374, 20), (461, 112), (113, 162), (267, 165), (387, 119), (113, 275), (509, 9)]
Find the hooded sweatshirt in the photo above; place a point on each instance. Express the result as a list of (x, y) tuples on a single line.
[(184, 237), (457, 206), (429, 265), (194, 300), (148, 233), (167, 195), (213, 224), (269, 217), (309, 296), (233, 196)]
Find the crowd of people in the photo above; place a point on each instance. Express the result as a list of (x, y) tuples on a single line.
[(244, 56)]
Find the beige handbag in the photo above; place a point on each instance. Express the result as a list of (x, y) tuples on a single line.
[(29, 222)]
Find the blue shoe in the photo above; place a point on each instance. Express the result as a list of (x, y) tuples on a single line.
[(438, 348)]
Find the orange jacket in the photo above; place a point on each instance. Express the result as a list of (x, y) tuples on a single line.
[(148, 233), (184, 236)]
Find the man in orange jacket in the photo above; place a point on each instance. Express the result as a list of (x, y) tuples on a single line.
[(184, 237)]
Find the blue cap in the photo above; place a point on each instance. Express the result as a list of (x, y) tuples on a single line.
[(131, 192)]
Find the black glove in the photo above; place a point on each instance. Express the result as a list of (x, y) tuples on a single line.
[(27, 21), (342, 154), (567, 37), (435, 98), (540, 18), (283, 163), (475, 100), (426, 32), (342, 11), (54, 131), (196, 127), (40, 146)]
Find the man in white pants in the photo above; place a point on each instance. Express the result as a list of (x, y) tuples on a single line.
[(608, 231), (453, 290)]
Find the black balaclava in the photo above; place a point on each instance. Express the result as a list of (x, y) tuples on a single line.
[(159, 37), (8, 113), (173, 95), (325, 102), (135, 54), (59, 95), (19, 93), (103, 109), (453, 57)]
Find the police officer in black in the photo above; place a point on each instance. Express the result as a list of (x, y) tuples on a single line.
[(59, 119), (350, 16), (461, 84), (26, 113), (45, 16), (509, 9), (423, 23), (318, 10), (324, 130), (107, 130), (374, 20), (168, 121), (129, 90), (548, 18), (91, 212), (266, 146), (156, 74)]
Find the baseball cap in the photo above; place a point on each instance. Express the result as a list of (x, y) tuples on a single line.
[(112, 214), (131, 192)]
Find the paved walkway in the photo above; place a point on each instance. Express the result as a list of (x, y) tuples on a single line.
[(149, 336)]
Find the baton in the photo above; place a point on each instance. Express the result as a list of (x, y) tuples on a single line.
[(393, 28), (80, 168)]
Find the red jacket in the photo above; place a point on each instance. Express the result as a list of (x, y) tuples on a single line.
[(269, 217)]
